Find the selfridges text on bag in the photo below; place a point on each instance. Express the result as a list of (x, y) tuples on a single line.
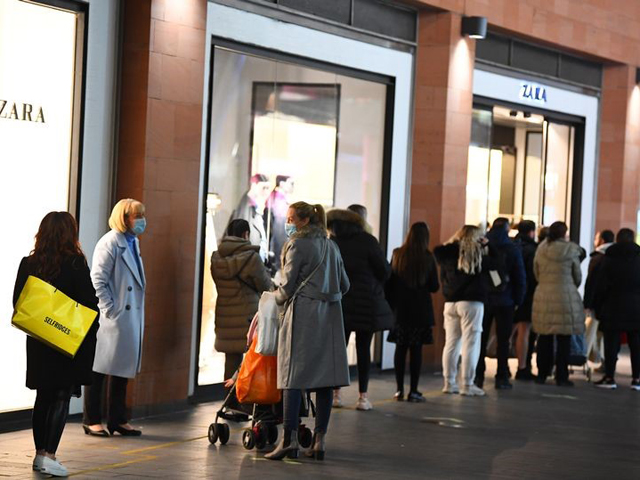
[(48, 315), (268, 324)]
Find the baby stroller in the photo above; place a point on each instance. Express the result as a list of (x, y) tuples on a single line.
[(264, 420)]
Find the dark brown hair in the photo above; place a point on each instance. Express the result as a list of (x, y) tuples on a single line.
[(56, 240), (410, 261), (557, 231)]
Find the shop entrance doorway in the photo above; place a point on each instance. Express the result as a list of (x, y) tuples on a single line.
[(523, 165)]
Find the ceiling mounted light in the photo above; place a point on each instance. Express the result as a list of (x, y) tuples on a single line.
[(474, 27)]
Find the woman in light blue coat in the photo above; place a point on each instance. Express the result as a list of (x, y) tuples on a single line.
[(118, 277)]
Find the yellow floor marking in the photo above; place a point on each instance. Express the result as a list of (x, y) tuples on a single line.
[(137, 451)]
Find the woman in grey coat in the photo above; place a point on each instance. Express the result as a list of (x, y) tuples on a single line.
[(311, 347), (557, 307)]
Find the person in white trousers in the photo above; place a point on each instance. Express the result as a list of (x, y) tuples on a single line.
[(461, 261)]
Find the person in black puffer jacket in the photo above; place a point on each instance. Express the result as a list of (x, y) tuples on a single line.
[(502, 305), (617, 305), (364, 307), (463, 266)]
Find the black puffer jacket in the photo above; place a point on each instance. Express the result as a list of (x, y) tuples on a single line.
[(617, 288), (458, 286), (595, 263), (364, 307)]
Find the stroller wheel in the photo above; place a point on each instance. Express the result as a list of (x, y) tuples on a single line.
[(213, 433), (305, 436), (223, 433), (248, 439), (272, 434)]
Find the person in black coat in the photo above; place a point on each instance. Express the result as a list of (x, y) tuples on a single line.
[(413, 279), (617, 305), (502, 304), (526, 242), (57, 259), (364, 307)]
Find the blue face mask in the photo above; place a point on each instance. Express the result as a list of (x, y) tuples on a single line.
[(139, 225), (290, 229)]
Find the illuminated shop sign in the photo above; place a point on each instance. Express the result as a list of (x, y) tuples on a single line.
[(533, 93)]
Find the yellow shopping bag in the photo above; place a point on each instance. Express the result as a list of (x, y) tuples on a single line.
[(46, 314)]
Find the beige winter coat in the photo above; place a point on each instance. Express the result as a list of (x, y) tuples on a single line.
[(240, 278), (557, 306)]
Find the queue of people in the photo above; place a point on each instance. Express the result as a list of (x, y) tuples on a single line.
[(334, 280)]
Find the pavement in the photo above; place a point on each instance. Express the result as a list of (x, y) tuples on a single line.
[(531, 432)]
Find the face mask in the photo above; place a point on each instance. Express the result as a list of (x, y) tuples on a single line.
[(290, 229), (139, 224)]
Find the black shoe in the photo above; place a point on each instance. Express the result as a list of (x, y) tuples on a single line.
[(503, 384), (606, 383), (540, 379), (525, 374), (125, 432), (564, 383), (95, 433), (398, 396), (479, 381), (635, 385), (416, 397)]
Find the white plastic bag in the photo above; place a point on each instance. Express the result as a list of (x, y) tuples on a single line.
[(268, 325)]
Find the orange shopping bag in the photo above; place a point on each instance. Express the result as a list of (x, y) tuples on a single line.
[(257, 380)]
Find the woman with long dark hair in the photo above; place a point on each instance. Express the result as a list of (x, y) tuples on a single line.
[(413, 279), (58, 260)]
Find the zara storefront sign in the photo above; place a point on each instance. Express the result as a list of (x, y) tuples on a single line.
[(21, 111), (533, 93)]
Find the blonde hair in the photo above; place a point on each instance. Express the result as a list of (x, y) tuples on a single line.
[(315, 213), (470, 256), (122, 209)]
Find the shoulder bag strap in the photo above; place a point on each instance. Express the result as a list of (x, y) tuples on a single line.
[(306, 280)]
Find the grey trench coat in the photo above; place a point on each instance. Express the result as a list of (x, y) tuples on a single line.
[(311, 344)]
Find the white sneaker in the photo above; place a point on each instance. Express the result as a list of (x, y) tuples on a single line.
[(363, 404), (472, 391), (37, 462), (337, 400), (53, 467), (450, 388)]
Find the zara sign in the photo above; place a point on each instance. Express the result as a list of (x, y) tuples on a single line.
[(533, 93)]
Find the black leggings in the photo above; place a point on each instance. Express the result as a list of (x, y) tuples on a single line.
[(612, 348), (363, 353), (49, 418), (415, 364)]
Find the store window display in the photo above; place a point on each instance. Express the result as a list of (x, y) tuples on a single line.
[(281, 133)]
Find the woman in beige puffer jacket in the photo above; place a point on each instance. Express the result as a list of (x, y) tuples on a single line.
[(557, 307), (240, 278)]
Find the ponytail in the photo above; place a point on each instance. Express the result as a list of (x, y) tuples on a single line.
[(319, 216), (315, 213)]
